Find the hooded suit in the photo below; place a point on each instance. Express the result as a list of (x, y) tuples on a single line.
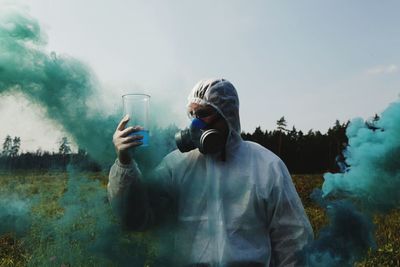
[(241, 211)]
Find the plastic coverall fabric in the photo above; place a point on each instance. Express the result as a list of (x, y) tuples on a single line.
[(244, 209)]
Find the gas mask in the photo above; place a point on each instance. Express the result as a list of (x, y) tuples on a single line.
[(200, 135)]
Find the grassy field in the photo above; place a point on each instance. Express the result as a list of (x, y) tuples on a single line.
[(55, 218)]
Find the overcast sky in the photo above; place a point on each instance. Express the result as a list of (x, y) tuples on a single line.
[(310, 61)]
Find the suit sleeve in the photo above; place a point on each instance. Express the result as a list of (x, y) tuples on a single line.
[(137, 202)]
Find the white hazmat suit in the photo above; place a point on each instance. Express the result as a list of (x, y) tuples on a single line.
[(241, 210)]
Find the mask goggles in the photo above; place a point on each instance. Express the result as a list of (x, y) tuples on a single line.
[(199, 134)]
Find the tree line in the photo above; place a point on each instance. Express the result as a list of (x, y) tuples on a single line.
[(12, 159), (310, 152), (303, 153)]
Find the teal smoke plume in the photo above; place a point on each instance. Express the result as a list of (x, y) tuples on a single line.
[(373, 155), (345, 240), (371, 182), (14, 214), (86, 234), (64, 87)]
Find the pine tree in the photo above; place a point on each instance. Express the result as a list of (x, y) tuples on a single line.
[(64, 148), (16, 144), (281, 126), (7, 146)]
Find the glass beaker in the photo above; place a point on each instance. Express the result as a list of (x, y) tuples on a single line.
[(137, 107)]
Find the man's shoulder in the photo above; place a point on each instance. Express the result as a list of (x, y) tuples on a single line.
[(261, 153), (270, 167)]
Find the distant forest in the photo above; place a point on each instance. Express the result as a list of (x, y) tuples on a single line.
[(303, 153), (11, 159)]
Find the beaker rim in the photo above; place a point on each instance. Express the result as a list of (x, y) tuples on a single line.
[(136, 94)]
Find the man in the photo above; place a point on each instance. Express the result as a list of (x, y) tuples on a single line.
[(235, 205)]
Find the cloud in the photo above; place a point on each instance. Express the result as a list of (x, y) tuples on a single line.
[(381, 69)]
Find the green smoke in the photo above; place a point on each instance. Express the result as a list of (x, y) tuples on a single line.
[(372, 182), (63, 86), (85, 233), (345, 240), (373, 154), (14, 214)]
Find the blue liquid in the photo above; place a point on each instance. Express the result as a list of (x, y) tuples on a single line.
[(145, 135)]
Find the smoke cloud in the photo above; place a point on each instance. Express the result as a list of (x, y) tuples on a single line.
[(14, 215), (371, 183), (84, 232), (64, 87), (345, 240), (373, 154)]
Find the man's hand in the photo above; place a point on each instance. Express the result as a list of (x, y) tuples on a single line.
[(123, 140)]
